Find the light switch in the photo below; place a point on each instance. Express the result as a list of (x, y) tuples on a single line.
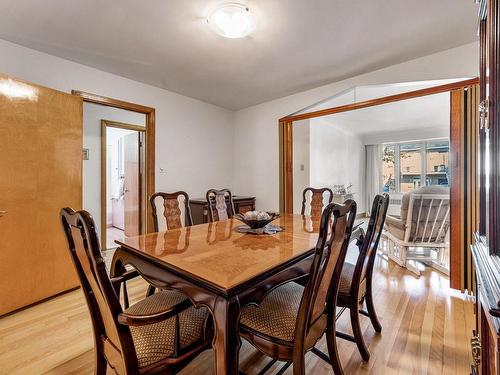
[(86, 154)]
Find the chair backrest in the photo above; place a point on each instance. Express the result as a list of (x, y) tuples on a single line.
[(220, 204), (102, 301), (368, 241), (321, 290), (173, 217), (428, 218), (314, 199)]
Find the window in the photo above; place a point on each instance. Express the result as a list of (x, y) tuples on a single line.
[(437, 154), (388, 169), (410, 166), (407, 166)]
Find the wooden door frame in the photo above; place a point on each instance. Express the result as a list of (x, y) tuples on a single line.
[(285, 131), (105, 124), (150, 138)]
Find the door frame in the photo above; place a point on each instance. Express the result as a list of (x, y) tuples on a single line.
[(285, 132), (105, 124), (149, 139)]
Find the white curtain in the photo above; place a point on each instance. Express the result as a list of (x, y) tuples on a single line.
[(373, 174)]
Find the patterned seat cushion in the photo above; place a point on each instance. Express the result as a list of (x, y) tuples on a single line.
[(277, 314), (155, 342), (346, 278)]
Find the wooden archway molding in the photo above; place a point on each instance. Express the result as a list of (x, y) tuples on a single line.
[(150, 139), (286, 130), (462, 159)]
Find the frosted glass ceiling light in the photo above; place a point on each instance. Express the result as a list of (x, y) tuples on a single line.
[(231, 20)]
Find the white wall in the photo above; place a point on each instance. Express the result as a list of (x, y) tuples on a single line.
[(406, 135), (199, 145), (301, 162), (194, 140), (337, 157), (92, 116), (256, 128)]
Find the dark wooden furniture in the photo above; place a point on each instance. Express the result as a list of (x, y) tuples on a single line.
[(356, 280), (160, 334), (199, 207), (172, 214), (225, 276), (316, 200), (220, 204), (485, 344), (292, 318)]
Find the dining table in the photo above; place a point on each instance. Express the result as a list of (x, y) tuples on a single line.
[(217, 266)]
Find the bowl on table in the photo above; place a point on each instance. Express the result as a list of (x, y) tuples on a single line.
[(257, 219)]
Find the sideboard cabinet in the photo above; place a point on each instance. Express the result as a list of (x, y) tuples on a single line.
[(199, 208)]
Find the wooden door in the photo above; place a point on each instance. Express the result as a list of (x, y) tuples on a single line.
[(131, 184), (40, 172)]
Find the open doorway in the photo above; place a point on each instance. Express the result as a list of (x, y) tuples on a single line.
[(406, 139), (123, 183), (130, 130)]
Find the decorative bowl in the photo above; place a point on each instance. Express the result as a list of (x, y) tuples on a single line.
[(255, 223)]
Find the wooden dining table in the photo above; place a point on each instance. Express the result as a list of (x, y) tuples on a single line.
[(218, 267)]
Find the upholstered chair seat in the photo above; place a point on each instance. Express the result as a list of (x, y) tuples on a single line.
[(396, 226), (276, 316), (291, 318), (156, 342), (162, 333), (355, 285), (346, 278)]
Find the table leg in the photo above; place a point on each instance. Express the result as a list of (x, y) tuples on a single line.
[(227, 339)]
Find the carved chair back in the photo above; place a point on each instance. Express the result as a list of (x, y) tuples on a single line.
[(314, 199), (111, 338), (368, 242), (173, 216), (220, 204), (321, 289)]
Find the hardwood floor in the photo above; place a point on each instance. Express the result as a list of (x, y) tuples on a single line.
[(426, 330)]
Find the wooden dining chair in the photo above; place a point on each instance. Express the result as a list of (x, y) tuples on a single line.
[(172, 216), (356, 279), (220, 204), (292, 318), (159, 334), (314, 199)]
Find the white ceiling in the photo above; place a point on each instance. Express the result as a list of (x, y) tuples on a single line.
[(427, 112), (296, 45)]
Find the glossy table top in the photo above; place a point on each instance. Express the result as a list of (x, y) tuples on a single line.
[(218, 254)]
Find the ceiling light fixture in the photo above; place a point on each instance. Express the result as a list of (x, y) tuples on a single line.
[(231, 20)]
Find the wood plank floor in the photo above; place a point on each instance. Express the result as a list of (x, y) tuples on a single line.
[(426, 330)]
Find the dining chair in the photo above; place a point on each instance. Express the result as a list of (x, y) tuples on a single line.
[(356, 279), (161, 333), (314, 199), (220, 204), (292, 318), (172, 216)]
